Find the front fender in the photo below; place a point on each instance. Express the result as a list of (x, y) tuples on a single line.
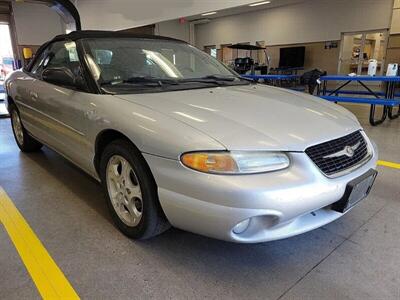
[(152, 132)]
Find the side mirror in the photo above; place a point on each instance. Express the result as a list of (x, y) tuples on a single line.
[(59, 76)]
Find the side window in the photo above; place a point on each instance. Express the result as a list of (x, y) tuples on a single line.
[(37, 67), (64, 54)]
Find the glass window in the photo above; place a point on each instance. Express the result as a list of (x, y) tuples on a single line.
[(58, 54), (213, 52), (38, 64), (62, 54), (102, 57), (119, 59)]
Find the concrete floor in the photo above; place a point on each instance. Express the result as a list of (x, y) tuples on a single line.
[(356, 257)]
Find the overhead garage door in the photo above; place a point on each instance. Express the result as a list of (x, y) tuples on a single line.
[(4, 12)]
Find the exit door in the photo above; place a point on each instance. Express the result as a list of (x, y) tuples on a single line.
[(358, 48)]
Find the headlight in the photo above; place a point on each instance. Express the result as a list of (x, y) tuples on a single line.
[(235, 162)]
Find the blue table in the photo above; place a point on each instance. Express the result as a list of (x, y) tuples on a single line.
[(384, 102), (351, 92), (361, 78), (388, 95)]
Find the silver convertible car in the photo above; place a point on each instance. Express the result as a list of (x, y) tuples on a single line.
[(176, 138)]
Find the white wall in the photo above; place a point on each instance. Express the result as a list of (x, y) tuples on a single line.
[(310, 21), (35, 23), (173, 29), (122, 14)]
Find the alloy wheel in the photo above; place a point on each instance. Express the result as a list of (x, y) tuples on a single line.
[(17, 127), (124, 190)]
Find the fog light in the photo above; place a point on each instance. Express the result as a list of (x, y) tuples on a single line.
[(241, 227)]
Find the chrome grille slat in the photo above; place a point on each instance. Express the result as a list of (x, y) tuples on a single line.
[(330, 166)]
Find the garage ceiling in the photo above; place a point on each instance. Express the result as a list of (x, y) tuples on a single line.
[(246, 8), (120, 14)]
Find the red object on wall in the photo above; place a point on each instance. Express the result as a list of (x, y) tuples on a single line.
[(182, 20)]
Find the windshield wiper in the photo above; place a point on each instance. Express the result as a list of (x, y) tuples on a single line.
[(221, 78), (154, 81), (149, 79), (207, 79), (214, 79), (141, 80)]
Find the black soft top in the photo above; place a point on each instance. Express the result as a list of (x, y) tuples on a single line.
[(82, 34)]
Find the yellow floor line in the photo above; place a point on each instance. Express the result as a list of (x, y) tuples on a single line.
[(48, 278), (388, 164)]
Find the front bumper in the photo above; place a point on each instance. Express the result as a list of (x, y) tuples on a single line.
[(279, 204)]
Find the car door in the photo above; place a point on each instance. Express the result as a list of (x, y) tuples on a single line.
[(26, 97), (64, 109)]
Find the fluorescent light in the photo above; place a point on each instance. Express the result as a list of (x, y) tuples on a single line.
[(260, 3), (209, 13)]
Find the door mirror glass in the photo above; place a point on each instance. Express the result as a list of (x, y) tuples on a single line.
[(59, 76)]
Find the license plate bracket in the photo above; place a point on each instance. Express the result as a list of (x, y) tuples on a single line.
[(356, 190)]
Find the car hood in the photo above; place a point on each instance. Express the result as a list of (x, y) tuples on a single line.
[(253, 117)]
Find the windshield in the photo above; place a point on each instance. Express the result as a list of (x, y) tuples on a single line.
[(121, 64)]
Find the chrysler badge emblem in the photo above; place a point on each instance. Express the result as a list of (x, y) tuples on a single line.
[(348, 151)]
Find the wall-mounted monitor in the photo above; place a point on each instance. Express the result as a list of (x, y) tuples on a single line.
[(292, 57)]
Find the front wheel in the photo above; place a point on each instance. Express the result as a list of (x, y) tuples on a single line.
[(24, 141), (131, 191)]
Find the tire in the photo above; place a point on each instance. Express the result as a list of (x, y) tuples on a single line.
[(24, 140), (131, 191)]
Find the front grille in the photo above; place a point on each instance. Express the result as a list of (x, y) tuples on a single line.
[(332, 165)]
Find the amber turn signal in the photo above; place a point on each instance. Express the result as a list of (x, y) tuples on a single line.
[(210, 162)]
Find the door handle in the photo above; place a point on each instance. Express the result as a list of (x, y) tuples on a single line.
[(34, 95)]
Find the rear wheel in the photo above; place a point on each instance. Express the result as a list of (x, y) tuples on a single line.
[(131, 191), (24, 141)]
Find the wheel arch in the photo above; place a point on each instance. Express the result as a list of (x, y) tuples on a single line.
[(104, 138), (10, 102), (107, 136)]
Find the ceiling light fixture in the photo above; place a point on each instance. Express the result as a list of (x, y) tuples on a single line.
[(260, 3), (209, 13)]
